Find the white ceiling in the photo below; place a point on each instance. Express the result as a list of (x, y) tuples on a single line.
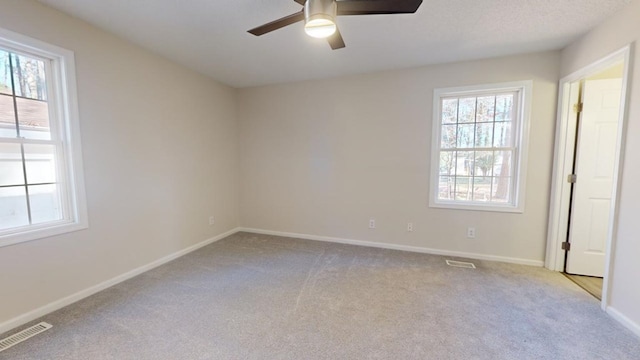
[(210, 36)]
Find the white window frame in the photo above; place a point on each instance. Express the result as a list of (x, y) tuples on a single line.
[(63, 104), (521, 144)]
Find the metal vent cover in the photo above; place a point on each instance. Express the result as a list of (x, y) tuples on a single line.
[(24, 335), (461, 264)]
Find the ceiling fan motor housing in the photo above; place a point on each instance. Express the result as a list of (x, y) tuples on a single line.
[(320, 9)]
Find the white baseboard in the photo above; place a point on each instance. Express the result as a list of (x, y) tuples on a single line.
[(58, 304), (625, 321), (417, 249)]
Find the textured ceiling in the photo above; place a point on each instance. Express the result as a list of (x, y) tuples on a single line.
[(210, 36)]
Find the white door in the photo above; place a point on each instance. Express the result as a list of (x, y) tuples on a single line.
[(595, 164)]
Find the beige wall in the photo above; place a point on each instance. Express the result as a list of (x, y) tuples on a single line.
[(159, 146), (618, 31), (322, 157)]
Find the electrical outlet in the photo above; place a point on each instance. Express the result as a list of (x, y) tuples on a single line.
[(471, 232), (410, 227), (211, 220), (372, 223)]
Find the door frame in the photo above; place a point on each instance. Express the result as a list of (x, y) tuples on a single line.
[(563, 166)]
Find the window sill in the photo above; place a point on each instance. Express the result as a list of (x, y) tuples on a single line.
[(41, 232), (507, 208)]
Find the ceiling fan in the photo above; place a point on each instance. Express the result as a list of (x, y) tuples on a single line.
[(320, 16)]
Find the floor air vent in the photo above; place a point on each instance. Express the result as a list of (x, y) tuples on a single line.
[(24, 335), (461, 264)]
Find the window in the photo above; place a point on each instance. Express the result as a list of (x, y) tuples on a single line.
[(479, 147), (41, 187)]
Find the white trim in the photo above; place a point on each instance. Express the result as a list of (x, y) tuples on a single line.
[(416, 249), (64, 100), (560, 192), (525, 90), (559, 200), (58, 304), (73, 143), (625, 321), (617, 179)]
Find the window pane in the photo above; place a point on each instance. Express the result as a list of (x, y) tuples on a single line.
[(486, 107), (29, 77), (13, 207), (40, 163), (481, 188), (484, 135), (7, 117), (448, 137), (445, 188), (11, 172), (463, 188), (466, 135), (464, 163), (45, 203), (5, 73), (449, 111), (447, 163), (502, 164), (501, 189), (502, 135), (504, 107), (33, 116), (467, 110), (484, 163)]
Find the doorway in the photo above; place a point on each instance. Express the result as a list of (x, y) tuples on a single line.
[(597, 115), (588, 155)]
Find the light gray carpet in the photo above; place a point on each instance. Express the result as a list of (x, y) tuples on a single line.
[(264, 297)]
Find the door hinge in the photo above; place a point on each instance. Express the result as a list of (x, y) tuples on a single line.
[(566, 246), (572, 178), (577, 107)]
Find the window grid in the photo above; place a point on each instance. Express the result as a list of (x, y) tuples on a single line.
[(23, 140), (494, 150), (23, 157)]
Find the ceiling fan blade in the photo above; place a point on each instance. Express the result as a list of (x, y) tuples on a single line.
[(301, 2), (368, 7), (277, 24), (336, 40)]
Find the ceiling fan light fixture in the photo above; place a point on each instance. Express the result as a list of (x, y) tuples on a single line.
[(320, 18), (320, 26)]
